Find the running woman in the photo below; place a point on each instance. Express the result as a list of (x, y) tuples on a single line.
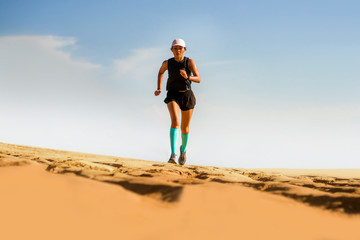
[(179, 95)]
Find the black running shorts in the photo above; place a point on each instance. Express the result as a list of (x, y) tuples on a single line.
[(185, 100)]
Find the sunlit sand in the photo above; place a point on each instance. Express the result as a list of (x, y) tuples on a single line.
[(53, 194)]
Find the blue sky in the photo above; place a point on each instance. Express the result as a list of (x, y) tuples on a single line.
[(280, 79)]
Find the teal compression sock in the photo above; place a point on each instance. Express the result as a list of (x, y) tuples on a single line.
[(184, 138), (174, 133)]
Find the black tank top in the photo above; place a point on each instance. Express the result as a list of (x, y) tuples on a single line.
[(176, 82)]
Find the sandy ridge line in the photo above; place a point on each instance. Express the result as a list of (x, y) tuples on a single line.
[(165, 181)]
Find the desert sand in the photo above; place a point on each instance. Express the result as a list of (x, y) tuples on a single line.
[(54, 194)]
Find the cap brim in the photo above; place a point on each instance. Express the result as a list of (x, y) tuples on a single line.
[(178, 45)]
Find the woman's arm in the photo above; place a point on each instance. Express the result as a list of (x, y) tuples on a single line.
[(162, 70), (194, 70)]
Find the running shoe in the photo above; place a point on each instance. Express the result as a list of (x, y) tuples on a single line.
[(182, 158), (172, 158)]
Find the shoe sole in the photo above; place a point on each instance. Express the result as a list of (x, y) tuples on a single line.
[(172, 161), (182, 163)]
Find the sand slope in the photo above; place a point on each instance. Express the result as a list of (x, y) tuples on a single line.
[(136, 199)]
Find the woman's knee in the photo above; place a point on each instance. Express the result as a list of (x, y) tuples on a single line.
[(175, 123), (185, 129)]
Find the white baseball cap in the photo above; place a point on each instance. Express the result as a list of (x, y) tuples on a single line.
[(178, 42)]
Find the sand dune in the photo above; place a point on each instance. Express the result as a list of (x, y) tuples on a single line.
[(96, 197)]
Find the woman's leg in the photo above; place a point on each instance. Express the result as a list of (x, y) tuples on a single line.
[(185, 127), (175, 122)]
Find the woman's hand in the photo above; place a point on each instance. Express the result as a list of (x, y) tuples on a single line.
[(157, 92), (183, 74)]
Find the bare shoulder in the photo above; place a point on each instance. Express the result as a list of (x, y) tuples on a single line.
[(191, 62), (164, 66)]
